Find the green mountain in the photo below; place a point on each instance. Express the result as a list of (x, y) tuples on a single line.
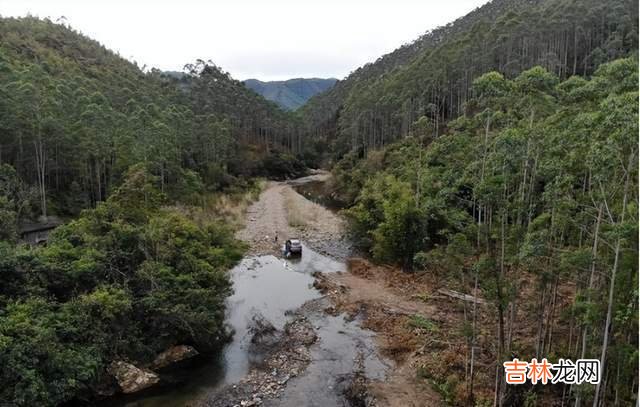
[(496, 155), (292, 93), (91, 115), (432, 76), (482, 156), (511, 199), (89, 136)]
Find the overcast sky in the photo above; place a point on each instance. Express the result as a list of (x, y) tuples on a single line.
[(268, 40)]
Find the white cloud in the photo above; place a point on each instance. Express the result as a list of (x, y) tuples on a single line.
[(267, 40)]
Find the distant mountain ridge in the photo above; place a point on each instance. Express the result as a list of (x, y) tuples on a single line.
[(292, 93)]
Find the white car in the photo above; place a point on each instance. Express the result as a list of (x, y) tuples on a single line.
[(293, 246)]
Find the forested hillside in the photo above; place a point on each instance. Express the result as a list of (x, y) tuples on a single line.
[(499, 155), (292, 93), (432, 76), (532, 193), (74, 116), (90, 137), (486, 159)]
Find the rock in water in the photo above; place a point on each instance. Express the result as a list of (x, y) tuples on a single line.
[(260, 328), (173, 355), (130, 378)]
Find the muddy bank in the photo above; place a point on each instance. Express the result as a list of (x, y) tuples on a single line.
[(344, 361), (318, 360), (388, 301)]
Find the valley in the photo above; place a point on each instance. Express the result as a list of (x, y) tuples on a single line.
[(329, 328), (292, 93), (465, 202)]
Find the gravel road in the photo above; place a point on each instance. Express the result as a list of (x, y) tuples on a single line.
[(281, 211)]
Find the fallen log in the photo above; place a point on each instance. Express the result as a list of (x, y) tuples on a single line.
[(461, 296)]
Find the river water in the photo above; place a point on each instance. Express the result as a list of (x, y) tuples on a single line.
[(271, 286), (317, 191)]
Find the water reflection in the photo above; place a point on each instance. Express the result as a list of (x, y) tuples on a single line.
[(262, 284)]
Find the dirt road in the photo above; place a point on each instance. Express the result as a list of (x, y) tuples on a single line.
[(281, 213)]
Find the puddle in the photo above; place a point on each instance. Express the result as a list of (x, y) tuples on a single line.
[(270, 286), (316, 191)]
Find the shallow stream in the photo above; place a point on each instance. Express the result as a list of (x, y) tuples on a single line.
[(271, 286)]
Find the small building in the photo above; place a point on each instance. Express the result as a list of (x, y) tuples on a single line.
[(37, 233)]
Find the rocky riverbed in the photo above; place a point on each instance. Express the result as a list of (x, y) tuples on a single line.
[(290, 347)]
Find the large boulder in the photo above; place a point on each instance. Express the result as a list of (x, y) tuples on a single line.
[(174, 355), (130, 378)]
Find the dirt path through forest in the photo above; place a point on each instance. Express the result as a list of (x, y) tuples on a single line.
[(281, 211)]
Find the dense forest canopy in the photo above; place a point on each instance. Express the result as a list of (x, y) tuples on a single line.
[(75, 116), (88, 136), (432, 76), (124, 281), (498, 152), (536, 185)]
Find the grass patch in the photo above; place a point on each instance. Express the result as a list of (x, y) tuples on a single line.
[(448, 388), (422, 322), (424, 297), (295, 215), (228, 207), (300, 212)]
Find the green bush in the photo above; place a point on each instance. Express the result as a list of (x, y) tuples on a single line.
[(422, 322), (125, 280), (386, 221), (280, 166)]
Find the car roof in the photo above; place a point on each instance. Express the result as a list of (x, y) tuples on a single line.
[(294, 240)]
